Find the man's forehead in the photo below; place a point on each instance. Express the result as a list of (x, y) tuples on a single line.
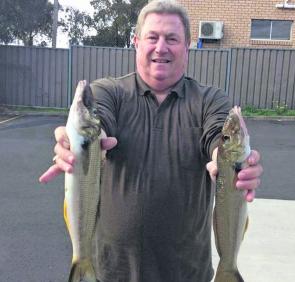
[(153, 19)]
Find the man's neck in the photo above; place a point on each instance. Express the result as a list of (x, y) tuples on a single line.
[(161, 96)]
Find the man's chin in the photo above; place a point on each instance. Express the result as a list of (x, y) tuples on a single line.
[(161, 76)]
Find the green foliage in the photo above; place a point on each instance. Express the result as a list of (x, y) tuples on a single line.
[(76, 24), (279, 110), (105, 37), (23, 20), (250, 109), (112, 21)]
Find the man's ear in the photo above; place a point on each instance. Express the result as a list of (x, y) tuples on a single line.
[(188, 45), (135, 41)]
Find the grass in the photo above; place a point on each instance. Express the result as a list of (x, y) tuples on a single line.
[(248, 111), (281, 111), (26, 109)]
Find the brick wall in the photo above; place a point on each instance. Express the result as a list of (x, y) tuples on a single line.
[(236, 16)]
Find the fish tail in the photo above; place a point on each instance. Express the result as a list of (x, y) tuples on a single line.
[(82, 271), (228, 276)]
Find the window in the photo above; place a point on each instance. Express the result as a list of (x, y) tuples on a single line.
[(271, 29)]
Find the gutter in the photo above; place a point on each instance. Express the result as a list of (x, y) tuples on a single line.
[(285, 5)]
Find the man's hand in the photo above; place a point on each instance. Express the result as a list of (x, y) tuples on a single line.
[(64, 159), (248, 178)]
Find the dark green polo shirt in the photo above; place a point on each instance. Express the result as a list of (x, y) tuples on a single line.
[(154, 221)]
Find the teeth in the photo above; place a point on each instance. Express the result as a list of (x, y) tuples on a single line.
[(161, 61)]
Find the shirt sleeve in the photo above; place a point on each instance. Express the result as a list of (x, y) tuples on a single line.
[(107, 99), (215, 110)]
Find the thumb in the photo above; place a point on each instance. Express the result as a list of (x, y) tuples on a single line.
[(212, 169), (108, 143)]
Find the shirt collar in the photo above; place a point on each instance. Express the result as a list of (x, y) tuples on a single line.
[(144, 89)]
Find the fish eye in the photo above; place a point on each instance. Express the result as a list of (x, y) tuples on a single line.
[(226, 138), (94, 111)]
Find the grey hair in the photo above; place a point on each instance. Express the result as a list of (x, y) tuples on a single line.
[(164, 7)]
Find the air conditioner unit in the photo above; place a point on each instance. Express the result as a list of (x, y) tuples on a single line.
[(211, 29)]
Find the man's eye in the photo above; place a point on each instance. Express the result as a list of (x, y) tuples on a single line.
[(152, 38), (172, 40)]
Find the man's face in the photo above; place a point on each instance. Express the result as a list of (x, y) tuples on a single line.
[(161, 51)]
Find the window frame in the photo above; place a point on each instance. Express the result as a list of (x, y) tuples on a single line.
[(271, 28)]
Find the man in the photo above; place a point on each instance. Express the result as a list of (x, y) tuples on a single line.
[(155, 214)]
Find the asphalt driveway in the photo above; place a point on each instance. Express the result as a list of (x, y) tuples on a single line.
[(34, 244)]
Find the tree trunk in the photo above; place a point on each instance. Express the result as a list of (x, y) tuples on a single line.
[(54, 26)]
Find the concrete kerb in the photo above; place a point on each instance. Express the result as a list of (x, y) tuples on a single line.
[(9, 111), (276, 118)]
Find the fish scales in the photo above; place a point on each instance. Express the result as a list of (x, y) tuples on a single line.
[(230, 216), (82, 186)]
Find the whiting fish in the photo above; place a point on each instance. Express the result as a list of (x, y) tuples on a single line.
[(230, 217), (82, 186)]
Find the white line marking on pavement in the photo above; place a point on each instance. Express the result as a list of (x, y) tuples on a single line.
[(10, 119)]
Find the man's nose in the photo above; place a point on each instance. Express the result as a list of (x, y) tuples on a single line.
[(161, 46)]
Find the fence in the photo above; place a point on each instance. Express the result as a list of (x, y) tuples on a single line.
[(260, 77), (33, 76), (47, 77)]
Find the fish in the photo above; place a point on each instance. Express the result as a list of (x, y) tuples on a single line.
[(82, 186), (230, 215)]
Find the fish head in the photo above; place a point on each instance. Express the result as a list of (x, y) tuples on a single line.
[(84, 112), (235, 146)]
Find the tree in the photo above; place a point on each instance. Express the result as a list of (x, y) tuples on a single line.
[(115, 20), (112, 23), (24, 20), (76, 24), (104, 37)]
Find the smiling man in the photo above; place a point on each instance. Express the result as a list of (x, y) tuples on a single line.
[(154, 222), (161, 51)]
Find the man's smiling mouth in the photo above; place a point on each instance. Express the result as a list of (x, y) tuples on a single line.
[(162, 61)]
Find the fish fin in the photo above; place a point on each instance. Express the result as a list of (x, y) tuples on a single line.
[(246, 226), (82, 271), (228, 276), (66, 215)]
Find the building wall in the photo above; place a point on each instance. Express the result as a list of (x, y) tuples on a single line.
[(236, 16)]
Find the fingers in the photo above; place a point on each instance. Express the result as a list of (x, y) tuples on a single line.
[(61, 136), (64, 156), (254, 158), (249, 187), (249, 195), (64, 159), (50, 174), (63, 165), (56, 169), (250, 172), (212, 169), (249, 178), (248, 184)]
